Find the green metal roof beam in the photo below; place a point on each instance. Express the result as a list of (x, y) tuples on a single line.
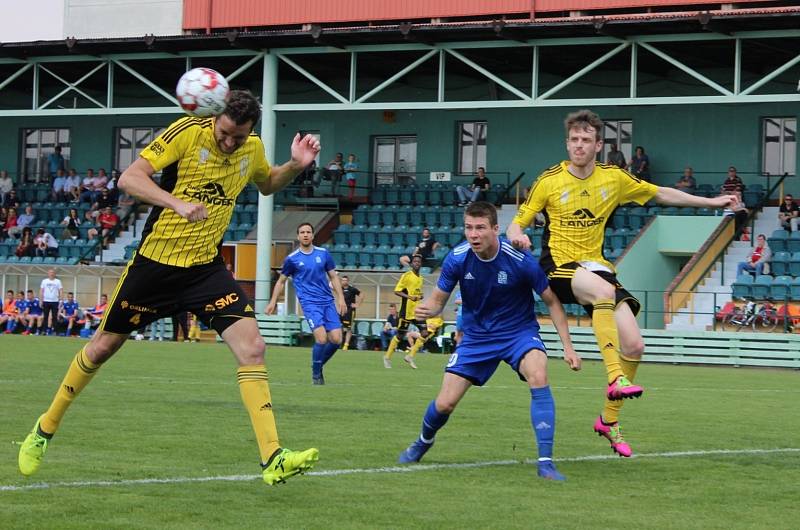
[(397, 76), (146, 81), (691, 71), (586, 69), (511, 88), (770, 76), (311, 77), (15, 75), (253, 60), (73, 86)]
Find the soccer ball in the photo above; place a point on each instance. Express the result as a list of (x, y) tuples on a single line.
[(202, 92)]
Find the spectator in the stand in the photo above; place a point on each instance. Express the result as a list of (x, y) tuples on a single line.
[(788, 213), (389, 326), (11, 200), (87, 187), (103, 201), (334, 171), (72, 186), (615, 156), (111, 186), (687, 181), (71, 224), (350, 168), (26, 245), (468, 195), (640, 164), (732, 182), (46, 244), (739, 212), (125, 203), (424, 248), (23, 220), (55, 162), (57, 192), (3, 217), (758, 259), (101, 184), (11, 222), (6, 185), (106, 222)]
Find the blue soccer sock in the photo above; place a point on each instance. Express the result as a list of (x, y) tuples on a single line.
[(11, 325), (317, 356), (432, 422), (330, 349), (543, 420)]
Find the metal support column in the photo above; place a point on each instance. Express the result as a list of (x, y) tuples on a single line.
[(269, 97)]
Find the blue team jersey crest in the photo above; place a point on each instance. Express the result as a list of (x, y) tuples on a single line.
[(497, 294), (309, 272)]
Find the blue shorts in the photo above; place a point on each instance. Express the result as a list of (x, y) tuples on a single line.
[(476, 359), (322, 315)]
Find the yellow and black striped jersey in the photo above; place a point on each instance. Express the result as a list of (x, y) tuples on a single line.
[(195, 170), (577, 210), (411, 284)]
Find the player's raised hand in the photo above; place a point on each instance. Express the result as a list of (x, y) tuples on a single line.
[(572, 359), (192, 211), (304, 149)]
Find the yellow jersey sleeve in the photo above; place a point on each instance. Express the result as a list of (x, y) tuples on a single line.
[(261, 168), (633, 189), (534, 203), (171, 145)]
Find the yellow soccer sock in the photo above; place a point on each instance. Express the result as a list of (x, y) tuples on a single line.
[(605, 332), (346, 345), (254, 388), (415, 348), (392, 346), (80, 372), (612, 408)]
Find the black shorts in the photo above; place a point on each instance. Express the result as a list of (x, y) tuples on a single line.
[(561, 284), (149, 291), (347, 319), (402, 324)]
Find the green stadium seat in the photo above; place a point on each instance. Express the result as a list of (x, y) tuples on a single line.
[(742, 287), (780, 289), (762, 287), (780, 263)]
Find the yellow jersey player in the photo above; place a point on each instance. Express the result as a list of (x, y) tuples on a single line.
[(578, 198), (409, 289), (205, 163), (416, 339)]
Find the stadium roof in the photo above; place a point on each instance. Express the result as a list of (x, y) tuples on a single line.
[(616, 25)]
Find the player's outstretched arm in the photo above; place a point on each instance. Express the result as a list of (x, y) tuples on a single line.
[(276, 292), (304, 151), (559, 318), (673, 197), (137, 180), (341, 306), (517, 237), (431, 306)]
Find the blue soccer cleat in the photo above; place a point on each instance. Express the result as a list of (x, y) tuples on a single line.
[(547, 470), (415, 452)]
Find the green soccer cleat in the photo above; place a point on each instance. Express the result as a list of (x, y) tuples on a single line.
[(32, 450), (287, 463)]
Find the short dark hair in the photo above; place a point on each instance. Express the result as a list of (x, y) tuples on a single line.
[(243, 107), (30, 291), (415, 256), (393, 305), (583, 119), (345, 276), (301, 225), (70, 293), (482, 209)]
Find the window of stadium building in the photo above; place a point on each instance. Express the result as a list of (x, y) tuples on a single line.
[(780, 146), (37, 146), (129, 143), (619, 133), (394, 159), (471, 146)]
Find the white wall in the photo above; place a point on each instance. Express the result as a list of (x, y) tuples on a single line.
[(31, 20), (121, 18)]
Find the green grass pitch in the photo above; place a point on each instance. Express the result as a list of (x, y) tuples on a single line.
[(172, 412)]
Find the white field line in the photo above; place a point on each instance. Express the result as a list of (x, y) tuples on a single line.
[(386, 470)]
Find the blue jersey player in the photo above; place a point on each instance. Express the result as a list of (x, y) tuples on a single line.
[(312, 269), (497, 284), (34, 314), (68, 312)]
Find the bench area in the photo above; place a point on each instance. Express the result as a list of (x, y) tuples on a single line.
[(279, 329), (776, 350)]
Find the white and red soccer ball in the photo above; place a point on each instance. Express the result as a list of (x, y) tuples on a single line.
[(202, 92)]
